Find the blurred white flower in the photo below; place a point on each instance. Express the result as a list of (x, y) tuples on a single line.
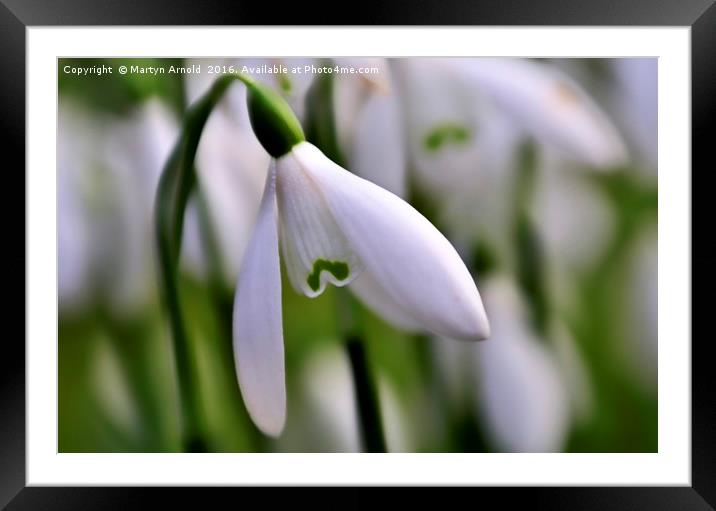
[(465, 120), (574, 219), (335, 227), (369, 124), (329, 387), (108, 170), (455, 138), (521, 392), (635, 103), (231, 170), (399, 435), (548, 104), (135, 154), (77, 140)]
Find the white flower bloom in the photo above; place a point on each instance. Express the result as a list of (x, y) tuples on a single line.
[(444, 127), (108, 170), (548, 104), (135, 154), (573, 217), (522, 395), (335, 227), (329, 387), (77, 140), (369, 124), (462, 150)]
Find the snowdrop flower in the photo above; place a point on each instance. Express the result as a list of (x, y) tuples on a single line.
[(76, 153), (464, 145), (548, 104), (334, 227), (326, 377), (522, 394), (573, 216), (369, 124), (108, 170)]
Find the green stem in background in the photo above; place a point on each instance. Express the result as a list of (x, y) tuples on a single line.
[(320, 117), (176, 184), (350, 330), (531, 262), (371, 424)]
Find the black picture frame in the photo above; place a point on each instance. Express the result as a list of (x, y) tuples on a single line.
[(17, 15)]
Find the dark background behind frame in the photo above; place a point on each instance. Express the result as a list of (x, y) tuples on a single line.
[(15, 15)]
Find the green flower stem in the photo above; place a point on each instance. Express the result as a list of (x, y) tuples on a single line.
[(176, 184), (366, 397), (369, 416), (531, 261)]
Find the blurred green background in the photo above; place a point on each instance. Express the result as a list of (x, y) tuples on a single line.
[(117, 382)]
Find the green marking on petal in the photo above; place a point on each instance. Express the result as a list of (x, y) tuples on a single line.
[(448, 133), (339, 269)]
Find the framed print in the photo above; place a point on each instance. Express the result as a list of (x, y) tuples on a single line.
[(429, 255)]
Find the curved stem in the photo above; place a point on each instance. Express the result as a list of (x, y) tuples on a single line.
[(176, 183)]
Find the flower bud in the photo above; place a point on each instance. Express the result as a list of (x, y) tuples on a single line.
[(272, 120)]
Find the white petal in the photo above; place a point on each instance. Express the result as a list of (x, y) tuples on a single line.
[(548, 103), (315, 250), (441, 126), (636, 105), (522, 396), (414, 264), (371, 293), (575, 221), (258, 330)]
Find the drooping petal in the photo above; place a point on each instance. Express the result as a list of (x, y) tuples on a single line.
[(372, 294), (258, 330), (549, 104), (315, 250), (414, 264), (522, 396)]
